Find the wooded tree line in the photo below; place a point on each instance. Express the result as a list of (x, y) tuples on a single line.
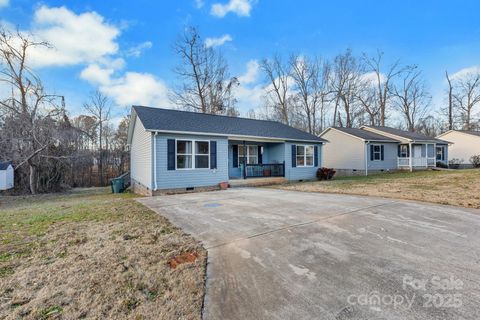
[(49, 149), (312, 94)]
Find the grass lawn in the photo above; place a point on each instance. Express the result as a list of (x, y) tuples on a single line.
[(455, 187), (91, 254)]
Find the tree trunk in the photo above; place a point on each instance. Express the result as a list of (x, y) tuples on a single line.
[(33, 179)]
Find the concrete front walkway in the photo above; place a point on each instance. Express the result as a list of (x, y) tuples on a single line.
[(276, 254)]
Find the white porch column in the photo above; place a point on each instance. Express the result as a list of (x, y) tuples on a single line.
[(410, 159)]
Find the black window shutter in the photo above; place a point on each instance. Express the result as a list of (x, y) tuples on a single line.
[(294, 156), (235, 155), (260, 158), (371, 152), (408, 151), (315, 155), (213, 154), (382, 152), (399, 153), (171, 154)]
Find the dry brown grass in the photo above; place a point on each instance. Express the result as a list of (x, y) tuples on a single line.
[(459, 187), (91, 254)]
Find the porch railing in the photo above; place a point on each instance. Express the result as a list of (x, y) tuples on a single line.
[(265, 170), (417, 162)]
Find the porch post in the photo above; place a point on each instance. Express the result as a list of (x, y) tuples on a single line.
[(410, 162), (244, 161)]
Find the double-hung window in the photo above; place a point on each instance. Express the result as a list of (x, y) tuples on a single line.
[(377, 152), (193, 154), (305, 156), (250, 152)]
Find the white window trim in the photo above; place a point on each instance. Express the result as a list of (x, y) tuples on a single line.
[(305, 155), (194, 153), (248, 153), (379, 152)]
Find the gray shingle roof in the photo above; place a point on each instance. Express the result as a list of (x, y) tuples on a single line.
[(366, 135), (156, 119), (407, 134), (4, 165)]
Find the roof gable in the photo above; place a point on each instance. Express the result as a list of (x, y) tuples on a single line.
[(469, 132), (167, 120)]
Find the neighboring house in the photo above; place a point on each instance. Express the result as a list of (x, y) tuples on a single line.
[(6, 175), (465, 145), (370, 149), (173, 149)]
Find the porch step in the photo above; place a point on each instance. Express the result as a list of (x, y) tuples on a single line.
[(255, 182)]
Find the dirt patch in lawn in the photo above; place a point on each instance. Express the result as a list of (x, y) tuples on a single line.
[(95, 255), (455, 187)]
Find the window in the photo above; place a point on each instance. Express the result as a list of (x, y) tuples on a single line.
[(403, 151), (441, 153), (201, 154), (251, 155), (305, 156), (193, 154), (184, 154), (377, 152)]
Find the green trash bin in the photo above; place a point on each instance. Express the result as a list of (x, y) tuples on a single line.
[(117, 185)]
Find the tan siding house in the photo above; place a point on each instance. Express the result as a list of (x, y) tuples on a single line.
[(349, 154), (465, 144)]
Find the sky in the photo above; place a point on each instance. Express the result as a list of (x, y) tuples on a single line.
[(124, 48)]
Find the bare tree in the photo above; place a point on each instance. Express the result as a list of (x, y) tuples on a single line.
[(411, 98), (278, 90), (310, 83), (383, 79), (467, 97), (345, 84), (30, 111), (99, 107), (206, 85), (450, 101)]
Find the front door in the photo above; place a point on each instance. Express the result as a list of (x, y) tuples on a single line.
[(417, 151)]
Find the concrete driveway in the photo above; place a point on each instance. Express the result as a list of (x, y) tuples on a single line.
[(276, 254)]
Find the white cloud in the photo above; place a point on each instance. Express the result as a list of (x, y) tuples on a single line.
[(199, 3), (215, 42), (4, 3), (251, 75), (137, 51), (241, 8), (129, 89), (372, 77), (465, 73), (75, 38)]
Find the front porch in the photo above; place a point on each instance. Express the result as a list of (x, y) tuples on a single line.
[(417, 156), (255, 159)]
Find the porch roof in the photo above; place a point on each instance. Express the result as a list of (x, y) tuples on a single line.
[(175, 121)]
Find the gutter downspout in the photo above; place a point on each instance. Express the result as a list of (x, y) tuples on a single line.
[(155, 161), (366, 157)]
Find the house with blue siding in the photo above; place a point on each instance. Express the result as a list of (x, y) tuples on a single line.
[(172, 150), (359, 151)]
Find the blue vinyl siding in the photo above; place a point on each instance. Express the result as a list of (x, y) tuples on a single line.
[(171, 179), (390, 155), (300, 173)]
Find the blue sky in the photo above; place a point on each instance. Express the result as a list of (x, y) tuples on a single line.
[(125, 47)]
